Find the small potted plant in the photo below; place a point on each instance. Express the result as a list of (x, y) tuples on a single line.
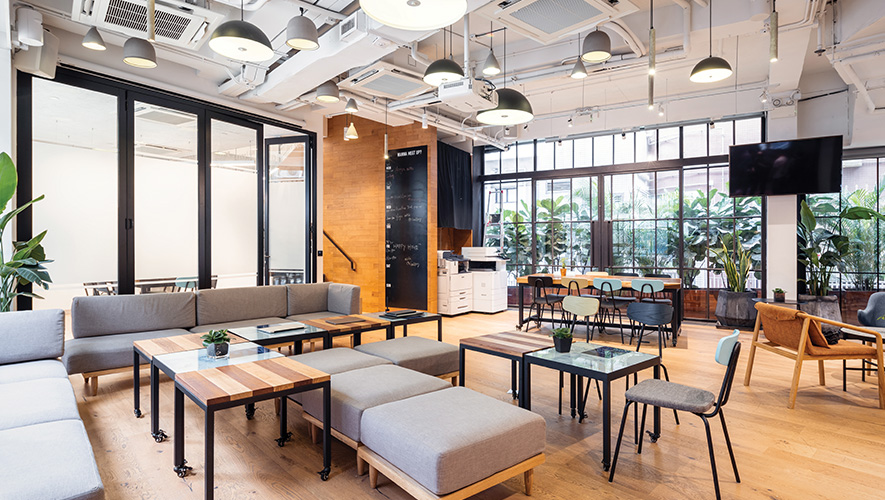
[(562, 339), (779, 295), (562, 269), (217, 343)]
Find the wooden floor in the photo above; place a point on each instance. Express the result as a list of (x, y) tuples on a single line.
[(831, 446)]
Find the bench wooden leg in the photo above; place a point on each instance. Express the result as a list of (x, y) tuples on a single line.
[(360, 466), (373, 477), (91, 385), (314, 434), (528, 476), (276, 405), (820, 372)]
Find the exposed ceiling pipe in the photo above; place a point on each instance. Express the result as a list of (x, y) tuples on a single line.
[(682, 3), (417, 56), (848, 74), (330, 15), (811, 8), (702, 3), (627, 34), (467, 66)]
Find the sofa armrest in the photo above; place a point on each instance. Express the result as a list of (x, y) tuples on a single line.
[(344, 299), (31, 335)]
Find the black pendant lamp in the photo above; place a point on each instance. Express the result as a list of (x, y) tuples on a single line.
[(443, 70), (241, 41), (513, 108), (712, 69)]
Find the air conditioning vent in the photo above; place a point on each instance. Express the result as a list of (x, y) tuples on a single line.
[(549, 20), (386, 80), (178, 23)]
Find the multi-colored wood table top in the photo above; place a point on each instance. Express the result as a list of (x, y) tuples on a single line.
[(165, 345), (510, 343), (366, 323)]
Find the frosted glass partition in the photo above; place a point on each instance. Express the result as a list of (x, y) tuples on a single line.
[(234, 205), (166, 197), (75, 165), (286, 212)]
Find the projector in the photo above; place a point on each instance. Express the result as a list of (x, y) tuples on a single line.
[(468, 95)]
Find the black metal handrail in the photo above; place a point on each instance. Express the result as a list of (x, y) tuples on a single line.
[(336, 245)]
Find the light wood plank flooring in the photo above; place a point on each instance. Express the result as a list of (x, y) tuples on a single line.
[(831, 446)]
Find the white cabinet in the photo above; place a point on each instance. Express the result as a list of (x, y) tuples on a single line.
[(489, 291), (455, 294)]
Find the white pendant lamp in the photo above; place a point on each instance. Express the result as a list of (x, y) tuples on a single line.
[(241, 41), (579, 71), (415, 15), (491, 66), (139, 53), (712, 69), (328, 92), (351, 133), (301, 33), (351, 106), (597, 47), (513, 108), (443, 70), (93, 40)]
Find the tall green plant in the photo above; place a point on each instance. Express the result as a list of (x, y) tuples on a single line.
[(735, 261), (26, 264)]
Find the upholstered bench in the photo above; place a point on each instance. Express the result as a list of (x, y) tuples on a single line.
[(355, 391), (451, 443), (417, 353)]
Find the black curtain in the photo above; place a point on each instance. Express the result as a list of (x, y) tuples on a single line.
[(455, 187)]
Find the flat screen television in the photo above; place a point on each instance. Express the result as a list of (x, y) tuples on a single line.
[(801, 166)]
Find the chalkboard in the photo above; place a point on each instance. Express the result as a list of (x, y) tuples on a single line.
[(406, 228)]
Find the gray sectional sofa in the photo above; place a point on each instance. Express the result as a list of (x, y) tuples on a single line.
[(105, 326), (46, 453)]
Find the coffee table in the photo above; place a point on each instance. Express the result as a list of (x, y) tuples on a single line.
[(424, 317), (508, 345), (604, 369), (147, 349), (221, 387), (255, 335), (366, 323)]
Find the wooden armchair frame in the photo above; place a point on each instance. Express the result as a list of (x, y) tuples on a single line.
[(802, 354)]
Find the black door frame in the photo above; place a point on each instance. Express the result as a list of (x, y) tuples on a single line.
[(126, 94)]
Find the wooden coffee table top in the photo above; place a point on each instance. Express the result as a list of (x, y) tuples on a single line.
[(367, 323), (510, 343), (232, 382), (178, 343)]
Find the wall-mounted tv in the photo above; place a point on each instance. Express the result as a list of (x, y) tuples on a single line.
[(801, 166)]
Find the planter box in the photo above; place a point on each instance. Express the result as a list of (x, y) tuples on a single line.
[(736, 309)]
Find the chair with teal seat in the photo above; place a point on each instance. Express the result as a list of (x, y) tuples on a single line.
[(611, 303)]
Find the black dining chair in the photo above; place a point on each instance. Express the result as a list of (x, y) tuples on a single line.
[(610, 303), (704, 404), (646, 314), (540, 300)]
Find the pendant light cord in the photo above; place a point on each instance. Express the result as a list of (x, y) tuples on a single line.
[(651, 15), (504, 55), (711, 28), (242, 8)]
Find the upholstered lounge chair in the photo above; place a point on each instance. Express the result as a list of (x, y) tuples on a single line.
[(798, 336), (874, 313)]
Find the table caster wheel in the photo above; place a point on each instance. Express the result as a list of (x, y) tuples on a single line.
[(282, 440), (324, 474), (159, 436), (605, 465), (652, 436), (182, 470), (137, 413)]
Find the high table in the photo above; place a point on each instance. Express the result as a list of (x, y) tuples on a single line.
[(672, 286), (221, 387), (590, 360), (423, 317)]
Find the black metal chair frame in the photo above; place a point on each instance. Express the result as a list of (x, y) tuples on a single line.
[(644, 314), (539, 286), (724, 393), (612, 302), (650, 300)]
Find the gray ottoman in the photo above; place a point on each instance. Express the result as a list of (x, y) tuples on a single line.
[(417, 353), (332, 361), (468, 443)]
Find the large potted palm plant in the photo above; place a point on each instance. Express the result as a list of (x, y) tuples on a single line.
[(734, 307)]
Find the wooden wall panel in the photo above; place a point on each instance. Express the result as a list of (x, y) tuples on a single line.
[(353, 204)]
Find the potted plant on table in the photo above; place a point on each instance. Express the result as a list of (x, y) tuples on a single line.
[(562, 339), (735, 307), (780, 295), (562, 269), (217, 343)]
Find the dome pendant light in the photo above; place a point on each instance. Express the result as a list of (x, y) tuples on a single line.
[(597, 47), (327, 92), (139, 53), (711, 69), (93, 40), (415, 15), (443, 70), (241, 41), (301, 33), (579, 71), (513, 108)]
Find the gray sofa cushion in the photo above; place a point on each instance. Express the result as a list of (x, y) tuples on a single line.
[(224, 305), (237, 324), (355, 391), (464, 437), (338, 360), (307, 298), (31, 335), (344, 299), (313, 315), (32, 370), (36, 401), (111, 314), (108, 351), (50, 461), (416, 353)]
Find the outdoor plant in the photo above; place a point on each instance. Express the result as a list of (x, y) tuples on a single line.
[(562, 333), (28, 257), (735, 262), (779, 290), (216, 337)]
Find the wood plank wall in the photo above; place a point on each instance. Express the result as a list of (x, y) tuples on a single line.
[(353, 204)]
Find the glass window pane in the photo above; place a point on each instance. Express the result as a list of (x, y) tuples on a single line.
[(581, 246), (545, 155), (646, 145), (721, 137), (624, 148), (584, 152), (492, 161), (564, 154), (584, 198), (694, 250), (622, 236), (695, 140), (509, 200), (508, 161), (75, 166), (668, 143), (492, 212), (525, 152), (748, 131), (644, 242), (667, 245), (720, 204), (603, 150), (622, 196), (165, 199), (695, 193), (644, 195), (667, 194), (287, 221)]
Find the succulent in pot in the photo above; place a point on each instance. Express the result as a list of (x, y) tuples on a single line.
[(562, 339), (780, 295), (217, 343)]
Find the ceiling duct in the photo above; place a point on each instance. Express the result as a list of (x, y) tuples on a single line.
[(178, 24), (386, 80), (547, 20)]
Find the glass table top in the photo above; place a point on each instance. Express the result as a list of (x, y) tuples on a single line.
[(255, 333), (189, 361), (380, 315), (595, 357)]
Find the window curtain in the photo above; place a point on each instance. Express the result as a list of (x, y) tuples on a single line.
[(455, 187)]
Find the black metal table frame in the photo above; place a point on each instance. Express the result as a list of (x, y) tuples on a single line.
[(405, 322), (180, 464), (357, 334), (675, 326), (517, 369), (606, 379)]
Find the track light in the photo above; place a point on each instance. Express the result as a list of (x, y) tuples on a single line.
[(93, 40), (570, 124), (661, 110), (424, 119), (386, 157), (763, 97)]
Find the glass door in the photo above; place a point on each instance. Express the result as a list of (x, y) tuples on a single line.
[(288, 237)]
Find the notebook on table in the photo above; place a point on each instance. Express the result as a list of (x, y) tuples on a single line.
[(344, 320), (280, 327), (408, 313)]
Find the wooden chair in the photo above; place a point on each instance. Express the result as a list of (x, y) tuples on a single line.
[(797, 335)]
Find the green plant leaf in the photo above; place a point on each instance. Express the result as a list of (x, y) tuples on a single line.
[(8, 180), (9, 215)]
